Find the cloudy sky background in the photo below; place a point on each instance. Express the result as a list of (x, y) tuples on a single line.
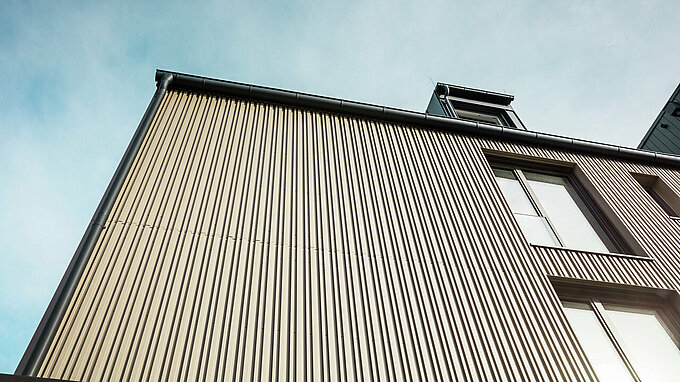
[(77, 77)]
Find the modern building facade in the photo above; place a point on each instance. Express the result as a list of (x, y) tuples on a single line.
[(664, 134), (258, 234)]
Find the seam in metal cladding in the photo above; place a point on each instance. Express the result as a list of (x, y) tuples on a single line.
[(40, 342)]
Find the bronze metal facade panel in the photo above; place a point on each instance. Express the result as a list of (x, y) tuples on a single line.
[(253, 241)]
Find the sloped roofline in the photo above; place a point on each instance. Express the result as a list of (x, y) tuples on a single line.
[(38, 347), (655, 124), (394, 115)]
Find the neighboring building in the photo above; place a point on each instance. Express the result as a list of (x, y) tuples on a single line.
[(664, 135), (258, 234)]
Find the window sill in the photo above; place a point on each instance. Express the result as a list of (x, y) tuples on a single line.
[(620, 255)]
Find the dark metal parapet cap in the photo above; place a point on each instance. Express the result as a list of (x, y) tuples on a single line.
[(394, 115), (443, 89)]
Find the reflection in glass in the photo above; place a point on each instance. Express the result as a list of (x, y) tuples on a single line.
[(537, 230), (654, 355), (601, 353), (478, 116), (571, 219), (514, 193)]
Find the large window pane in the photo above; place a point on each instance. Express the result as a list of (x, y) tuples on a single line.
[(514, 193), (572, 221), (598, 347), (537, 230), (654, 355)]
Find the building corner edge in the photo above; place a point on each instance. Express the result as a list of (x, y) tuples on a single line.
[(37, 349)]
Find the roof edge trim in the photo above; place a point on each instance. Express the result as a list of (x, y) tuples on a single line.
[(40, 343), (443, 89), (389, 114)]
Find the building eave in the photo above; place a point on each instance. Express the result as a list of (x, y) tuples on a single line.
[(394, 115)]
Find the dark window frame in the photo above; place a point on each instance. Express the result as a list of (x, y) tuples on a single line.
[(663, 302), (656, 188), (620, 246), (500, 114), (661, 202), (505, 114)]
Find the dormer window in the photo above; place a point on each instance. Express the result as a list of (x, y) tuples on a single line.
[(474, 105)]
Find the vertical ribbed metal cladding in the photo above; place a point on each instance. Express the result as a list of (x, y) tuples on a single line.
[(253, 241), (649, 225), (44, 335)]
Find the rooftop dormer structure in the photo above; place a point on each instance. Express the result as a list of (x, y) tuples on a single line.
[(474, 105)]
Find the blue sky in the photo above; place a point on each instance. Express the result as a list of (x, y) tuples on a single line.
[(77, 77)]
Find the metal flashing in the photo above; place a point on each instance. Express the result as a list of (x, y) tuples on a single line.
[(254, 240), (39, 345), (474, 94), (292, 98)]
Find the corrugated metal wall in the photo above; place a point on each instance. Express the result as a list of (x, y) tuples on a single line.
[(259, 242)]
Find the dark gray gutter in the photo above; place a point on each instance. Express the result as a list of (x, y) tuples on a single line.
[(388, 114), (38, 347)]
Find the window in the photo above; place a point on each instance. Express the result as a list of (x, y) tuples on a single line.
[(479, 116), (553, 209), (624, 343), (628, 333), (664, 197), (482, 112), (474, 105)]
